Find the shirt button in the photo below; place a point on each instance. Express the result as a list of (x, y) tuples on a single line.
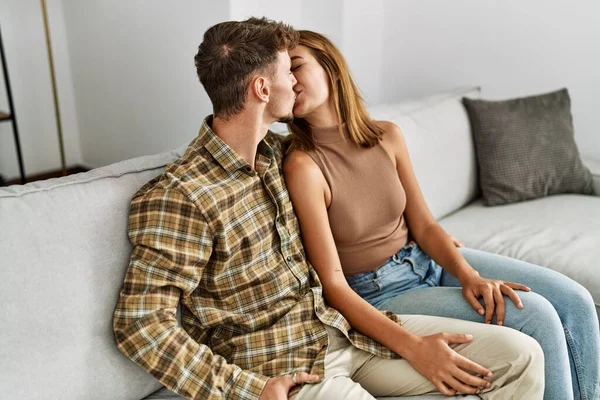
[(248, 169), (289, 258)]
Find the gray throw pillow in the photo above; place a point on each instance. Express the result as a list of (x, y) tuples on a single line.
[(526, 149)]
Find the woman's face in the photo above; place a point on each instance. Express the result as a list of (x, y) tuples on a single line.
[(312, 89)]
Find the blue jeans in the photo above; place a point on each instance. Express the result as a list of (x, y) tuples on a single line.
[(559, 313)]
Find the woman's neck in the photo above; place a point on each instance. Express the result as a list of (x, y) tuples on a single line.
[(323, 117)]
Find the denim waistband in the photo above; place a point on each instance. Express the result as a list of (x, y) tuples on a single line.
[(382, 269)]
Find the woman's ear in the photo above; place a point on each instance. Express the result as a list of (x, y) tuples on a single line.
[(260, 88)]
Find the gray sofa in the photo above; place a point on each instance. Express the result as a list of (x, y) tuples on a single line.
[(64, 251)]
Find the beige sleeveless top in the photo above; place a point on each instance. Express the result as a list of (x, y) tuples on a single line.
[(366, 213)]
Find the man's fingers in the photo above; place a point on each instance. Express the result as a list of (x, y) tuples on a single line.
[(507, 290), (303, 377), (490, 304)]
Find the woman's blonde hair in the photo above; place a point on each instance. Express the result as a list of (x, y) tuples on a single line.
[(348, 102)]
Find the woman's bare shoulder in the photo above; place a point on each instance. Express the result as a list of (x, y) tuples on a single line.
[(299, 162), (392, 140), (391, 131)]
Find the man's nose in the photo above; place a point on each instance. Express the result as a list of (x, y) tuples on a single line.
[(294, 80)]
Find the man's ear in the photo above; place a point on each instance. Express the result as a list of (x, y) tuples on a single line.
[(261, 89)]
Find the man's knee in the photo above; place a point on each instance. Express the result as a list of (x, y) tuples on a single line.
[(525, 356)]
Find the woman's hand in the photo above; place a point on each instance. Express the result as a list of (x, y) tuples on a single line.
[(450, 372), (455, 241), (278, 388), (492, 291)]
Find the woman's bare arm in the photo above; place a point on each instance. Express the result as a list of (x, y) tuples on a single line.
[(438, 244), (309, 191), (423, 227)]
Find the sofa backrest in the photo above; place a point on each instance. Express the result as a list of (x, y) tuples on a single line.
[(438, 137), (63, 254)]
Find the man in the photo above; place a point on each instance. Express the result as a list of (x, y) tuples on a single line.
[(216, 232)]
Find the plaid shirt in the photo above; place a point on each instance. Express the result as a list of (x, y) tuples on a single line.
[(223, 239)]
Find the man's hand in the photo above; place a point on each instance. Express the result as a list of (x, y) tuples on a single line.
[(492, 291), (445, 368), (278, 388)]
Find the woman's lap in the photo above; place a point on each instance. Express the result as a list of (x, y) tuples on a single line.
[(557, 310), (572, 302)]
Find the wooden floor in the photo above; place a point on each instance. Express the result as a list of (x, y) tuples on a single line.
[(46, 175)]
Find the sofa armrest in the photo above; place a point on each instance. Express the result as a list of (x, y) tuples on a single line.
[(594, 166)]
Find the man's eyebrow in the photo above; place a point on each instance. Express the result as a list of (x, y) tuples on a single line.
[(294, 57)]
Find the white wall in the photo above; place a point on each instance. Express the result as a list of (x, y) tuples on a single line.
[(511, 48), (362, 45), (283, 10), (135, 82), (26, 56)]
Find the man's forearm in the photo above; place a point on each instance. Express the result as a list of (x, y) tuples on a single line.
[(166, 351)]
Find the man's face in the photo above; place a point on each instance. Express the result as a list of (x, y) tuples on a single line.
[(283, 96)]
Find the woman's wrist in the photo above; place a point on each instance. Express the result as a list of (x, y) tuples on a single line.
[(466, 272), (408, 345)]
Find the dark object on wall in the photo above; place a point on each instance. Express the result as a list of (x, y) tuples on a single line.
[(11, 115)]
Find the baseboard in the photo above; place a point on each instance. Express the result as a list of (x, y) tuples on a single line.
[(74, 169)]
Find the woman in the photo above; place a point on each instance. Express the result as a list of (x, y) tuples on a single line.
[(368, 231)]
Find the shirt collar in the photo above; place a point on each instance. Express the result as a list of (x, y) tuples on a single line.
[(222, 153)]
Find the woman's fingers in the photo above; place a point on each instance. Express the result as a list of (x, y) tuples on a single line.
[(470, 380), (443, 389), (508, 291), (460, 387), (474, 302), (500, 305), (456, 242), (518, 286), (468, 365), (490, 304)]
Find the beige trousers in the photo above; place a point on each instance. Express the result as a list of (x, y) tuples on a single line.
[(515, 359)]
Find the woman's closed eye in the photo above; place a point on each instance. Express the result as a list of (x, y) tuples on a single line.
[(296, 67)]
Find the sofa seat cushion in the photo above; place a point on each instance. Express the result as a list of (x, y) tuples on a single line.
[(561, 232), (165, 394)]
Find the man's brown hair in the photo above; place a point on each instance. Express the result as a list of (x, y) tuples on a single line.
[(231, 52)]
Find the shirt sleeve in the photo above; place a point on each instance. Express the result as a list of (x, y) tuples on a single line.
[(172, 244)]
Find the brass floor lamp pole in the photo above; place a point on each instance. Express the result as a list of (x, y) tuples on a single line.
[(54, 90)]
